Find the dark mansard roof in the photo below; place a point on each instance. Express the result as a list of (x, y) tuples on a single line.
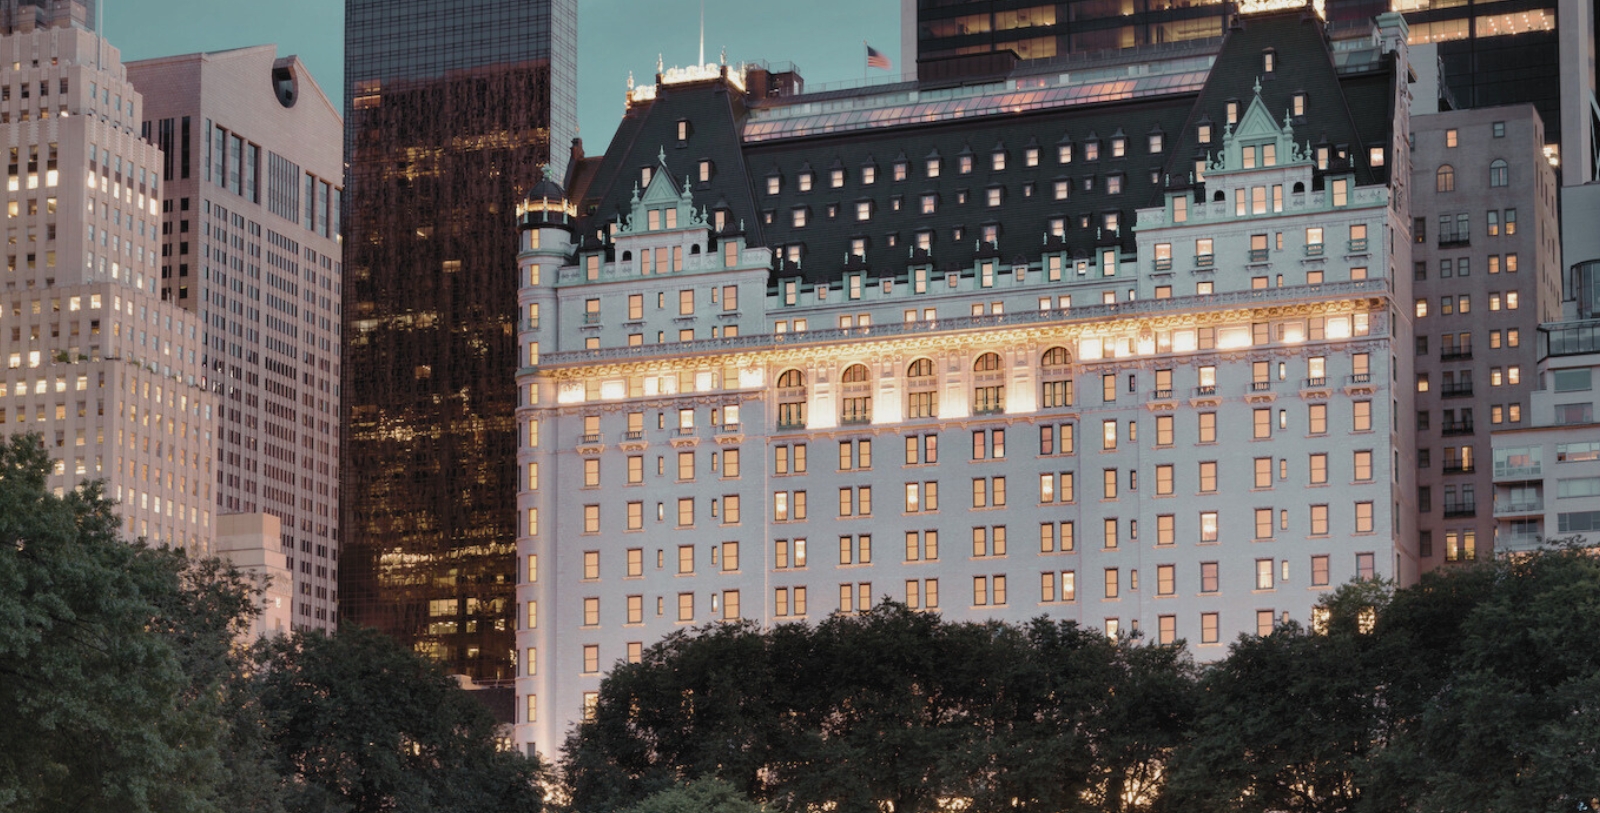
[(747, 140)]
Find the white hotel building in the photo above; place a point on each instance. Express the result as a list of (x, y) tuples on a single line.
[(1128, 345)]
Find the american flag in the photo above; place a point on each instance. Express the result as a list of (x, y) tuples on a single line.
[(877, 60)]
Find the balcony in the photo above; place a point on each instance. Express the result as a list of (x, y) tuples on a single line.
[(1163, 264), (633, 434), (1460, 390), (591, 318), (1533, 472), (1455, 353), (590, 438), (1511, 542), (1319, 381), (1448, 428), (1260, 386), (1457, 510), (683, 432), (1458, 467), (1204, 260), (790, 425), (1258, 255), (1505, 508), (1206, 389), (729, 429), (1162, 393), (1361, 378), (1313, 249), (1455, 240), (1358, 246)]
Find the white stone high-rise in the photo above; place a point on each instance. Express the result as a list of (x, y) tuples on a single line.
[(108, 373)]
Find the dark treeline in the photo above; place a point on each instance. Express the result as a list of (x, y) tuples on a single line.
[(1477, 689), (122, 687)]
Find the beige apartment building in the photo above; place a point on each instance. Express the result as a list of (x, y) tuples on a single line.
[(251, 173), (1486, 271)]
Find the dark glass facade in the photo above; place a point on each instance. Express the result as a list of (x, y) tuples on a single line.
[(1491, 52), (451, 108), (1039, 30)]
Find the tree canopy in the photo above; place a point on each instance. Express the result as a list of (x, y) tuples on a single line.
[(126, 688), (1474, 689)]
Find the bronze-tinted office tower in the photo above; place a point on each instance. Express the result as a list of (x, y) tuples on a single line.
[(452, 106)]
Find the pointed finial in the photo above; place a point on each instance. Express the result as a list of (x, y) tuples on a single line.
[(724, 55), (661, 155), (660, 64), (630, 80), (1258, 85)]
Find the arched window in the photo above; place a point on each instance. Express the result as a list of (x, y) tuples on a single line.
[(1499, 173), (1299, 187), (1055, 379), (988, 385), (855, 401), (792, 400), (1445, 179), (922, 396)]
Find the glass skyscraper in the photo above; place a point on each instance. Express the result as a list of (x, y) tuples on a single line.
[(451, 108)]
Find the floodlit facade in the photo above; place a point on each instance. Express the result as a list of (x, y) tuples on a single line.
[(251, 189), (1486, 272), (452, 106), (1132, 358), (97, 363)]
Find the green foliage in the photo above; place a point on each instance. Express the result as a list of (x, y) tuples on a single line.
[(891, 705), (356, 722), (705, 795), (124, 689), (1474, 689), (102, 713)]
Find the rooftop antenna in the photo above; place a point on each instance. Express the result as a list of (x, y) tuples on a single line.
[(702, 33)]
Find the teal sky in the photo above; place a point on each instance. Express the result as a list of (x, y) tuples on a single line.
[(822, 37)]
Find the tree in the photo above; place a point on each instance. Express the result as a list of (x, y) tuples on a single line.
[(97, 639), (1510, 721), (890, 706), (358, 723), (700, 796)]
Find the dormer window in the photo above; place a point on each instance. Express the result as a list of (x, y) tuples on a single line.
[(645, 173), (933, 167), (683, 129), (1269, 61), (798, 217), (1299, 104), (997, 160), (864, 210), (774, 184), (930, 203), (994, 196), (901, 168), (1064, 153), (1269, 155), (1063, 188), (705, 170), (1156, 143), (805, 181), (1233, 111), (1203, 133), (1119, 147), (1091, 151), (1113, 184), (858, 246), (836, 178), (869, 175), (964, 165), (1322, 157), (1249, 156), (1030, 157)]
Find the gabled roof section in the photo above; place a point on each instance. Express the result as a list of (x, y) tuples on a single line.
[(1301, 63), (648, 137)]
